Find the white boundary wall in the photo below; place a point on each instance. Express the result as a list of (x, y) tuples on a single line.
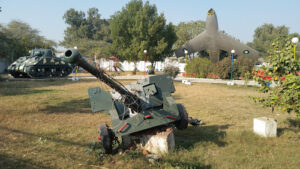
[(129, 66)]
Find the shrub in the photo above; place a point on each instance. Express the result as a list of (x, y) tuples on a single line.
[(200, 66), (212, 76), (244, 65), (247, 77), (283, 71), (223, 69), (241, 66), (171, 70)]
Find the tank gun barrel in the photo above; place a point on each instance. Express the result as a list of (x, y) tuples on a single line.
[(129, 99)]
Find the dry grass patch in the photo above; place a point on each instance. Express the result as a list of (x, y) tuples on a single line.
[(49, 124)]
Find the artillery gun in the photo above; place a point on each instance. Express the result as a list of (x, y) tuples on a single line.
[(42, 63), (140, 106)]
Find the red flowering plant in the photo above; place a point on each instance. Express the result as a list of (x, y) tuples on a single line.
[(280, 79)]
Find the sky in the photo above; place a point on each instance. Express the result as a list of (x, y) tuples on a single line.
[(238, 18)]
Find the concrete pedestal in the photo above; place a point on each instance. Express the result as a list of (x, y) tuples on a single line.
[(156, 141), (264, 126), (159, 142)]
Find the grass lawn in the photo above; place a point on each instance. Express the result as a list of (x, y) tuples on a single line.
[(49, 124)]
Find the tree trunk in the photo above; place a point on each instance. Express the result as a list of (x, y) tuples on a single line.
[(134, 70), (151, 70)]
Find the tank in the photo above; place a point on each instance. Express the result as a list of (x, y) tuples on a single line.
[(42, 63)]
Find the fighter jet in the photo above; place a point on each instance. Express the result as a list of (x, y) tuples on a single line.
[(214, 43)]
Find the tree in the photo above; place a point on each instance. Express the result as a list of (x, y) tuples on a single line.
[(138, 27), (17, 38), (188, 30), (77, 28), (4, 44), (90, 34), (93, 48), (266, 34), (284, 72), (98, 28)]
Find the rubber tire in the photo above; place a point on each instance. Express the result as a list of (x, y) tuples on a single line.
[(184, 121), (15, 75), (126, 142), (106, 138)]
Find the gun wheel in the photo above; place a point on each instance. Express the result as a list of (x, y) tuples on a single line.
[(107, 136), (184, 121)]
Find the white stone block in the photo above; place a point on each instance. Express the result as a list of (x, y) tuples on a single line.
[(264, 126), (74, 78), (187, 82), (230, 83), (158, 142)]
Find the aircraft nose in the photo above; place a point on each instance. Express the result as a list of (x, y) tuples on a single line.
[(211, 12)]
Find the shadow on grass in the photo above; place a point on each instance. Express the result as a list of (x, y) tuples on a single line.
[(197, 134), (72, 106), (181, 164), (9, 161), (28, 83), (15, 88), (67, 142), (23, 91), (281, 131), (293, 127), (294, 122)]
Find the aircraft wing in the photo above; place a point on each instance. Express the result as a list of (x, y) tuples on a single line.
[(227, 43), (196, 44)]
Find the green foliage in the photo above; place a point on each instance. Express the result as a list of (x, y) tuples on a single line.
[(91, 27), (188, 30), (290, 94), (247, 77), (244, 66), (241, 66), (171, 70), (281, 59), (203, 67), (5, 44), (17, 38), (90, 34), (200, 66), (138, 27), (266, 34), (93, 48), (283, 72), (223, 69)]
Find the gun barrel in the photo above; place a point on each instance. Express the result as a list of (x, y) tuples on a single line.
[(130, 100)]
